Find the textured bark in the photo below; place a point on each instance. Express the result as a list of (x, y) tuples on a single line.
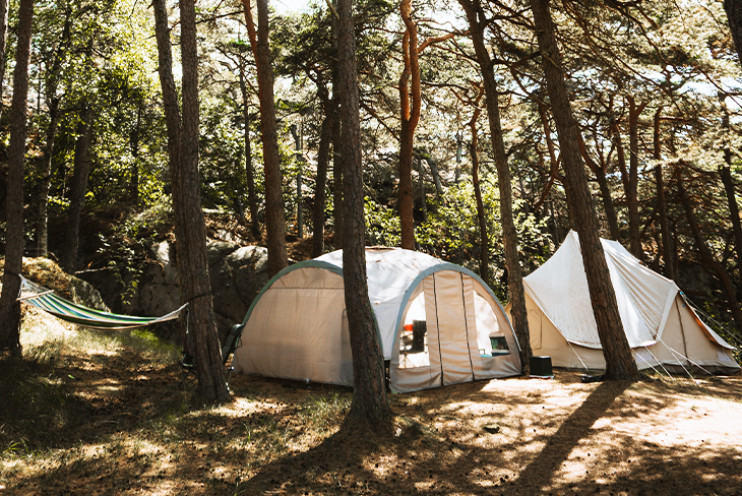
[(275, 221), (410, 102), (632, 184), (323, 158), (10, 309), (337, 177), (370, 403), (484, 262), (619, 361), (190, 229), (668, 253), (477, 23), (52, 101), (252, 197), (4, 6), (45, 171), (605, 191), (79, 186), (707, 257)]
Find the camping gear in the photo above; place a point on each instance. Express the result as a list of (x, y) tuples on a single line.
[(661, 328), (297, 327), (45, 299), (541, 367)]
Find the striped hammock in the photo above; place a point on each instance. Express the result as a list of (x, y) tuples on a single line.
[(45, 299)]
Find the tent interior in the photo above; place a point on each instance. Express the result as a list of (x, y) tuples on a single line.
[(663, 330), (438, 323)]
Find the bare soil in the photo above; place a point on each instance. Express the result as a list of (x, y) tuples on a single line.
[(130, 428)]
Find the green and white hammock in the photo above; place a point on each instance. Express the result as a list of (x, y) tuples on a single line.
[(45, 299)]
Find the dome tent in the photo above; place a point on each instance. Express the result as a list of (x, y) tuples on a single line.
[(438, 323), (661, 327)]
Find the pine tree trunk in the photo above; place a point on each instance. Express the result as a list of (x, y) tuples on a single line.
[(725, 173), (632, 194), (370, 403), (4, 7), (45, 171), (10, 308), (190, 230), (252, 199), (337, 175), (667, 251), (734, 15), (275, 221), (477, 24), (323, 158), (619, 361), (484, 262), (78, 189)]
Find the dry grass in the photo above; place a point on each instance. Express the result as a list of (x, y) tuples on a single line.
[(89, 413)]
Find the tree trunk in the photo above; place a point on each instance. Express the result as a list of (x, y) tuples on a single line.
[(275, 221), (605, 191), (708, 259), (4, 7), (477, 23), (190, 229), (667, 250), (78, 189), (134, 138), (619, 361), (410, 102), (484, 262), (10, 308), (632, 195), (370, 403), (323, 158), (337, 175), (45, 171), (252, 197)]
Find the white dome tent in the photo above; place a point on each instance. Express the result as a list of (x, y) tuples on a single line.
[(438, 323), (662, 329)]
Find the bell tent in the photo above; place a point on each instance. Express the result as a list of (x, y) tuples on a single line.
[(661, 327), (437, 322)]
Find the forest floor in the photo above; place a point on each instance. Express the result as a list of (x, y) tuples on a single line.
[(99, 414)]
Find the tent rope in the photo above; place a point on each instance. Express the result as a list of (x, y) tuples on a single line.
[(578, 356), (677, 353), (727, 333), (652, 366)]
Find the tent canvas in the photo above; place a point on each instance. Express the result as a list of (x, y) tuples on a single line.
[(661, 327), (438, 323)]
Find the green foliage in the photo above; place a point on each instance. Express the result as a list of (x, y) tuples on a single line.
[(382, 224)]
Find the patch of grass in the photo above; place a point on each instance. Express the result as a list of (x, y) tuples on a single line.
[(321, 412), (35, 405)]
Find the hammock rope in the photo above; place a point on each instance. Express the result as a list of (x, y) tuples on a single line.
[(46, 300)]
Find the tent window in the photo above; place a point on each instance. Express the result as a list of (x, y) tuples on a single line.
[(490, 339), (413, 343)]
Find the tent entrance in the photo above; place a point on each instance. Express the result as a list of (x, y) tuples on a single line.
[(437, 338)]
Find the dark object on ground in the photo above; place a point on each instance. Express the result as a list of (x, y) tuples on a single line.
[(592, 378)]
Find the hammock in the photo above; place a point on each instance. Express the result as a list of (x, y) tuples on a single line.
[(45, 299)]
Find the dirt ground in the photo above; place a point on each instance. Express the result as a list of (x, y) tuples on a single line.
[(127, 427)]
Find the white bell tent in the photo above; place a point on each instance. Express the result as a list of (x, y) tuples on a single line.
[(661, 327), (438, 323)]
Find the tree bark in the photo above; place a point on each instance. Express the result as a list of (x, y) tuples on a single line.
[(605, 191), (667, 250), (190, 229), (477, 23), (484, 262), (10, 308), (619, 361), (632, 194), (252, 197), (4, 7), (79, 187), (410, 102), (275, 221), (323, 158), (370, 404), (45, 171)]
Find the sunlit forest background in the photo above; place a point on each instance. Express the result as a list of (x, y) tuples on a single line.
[(655, 86)]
